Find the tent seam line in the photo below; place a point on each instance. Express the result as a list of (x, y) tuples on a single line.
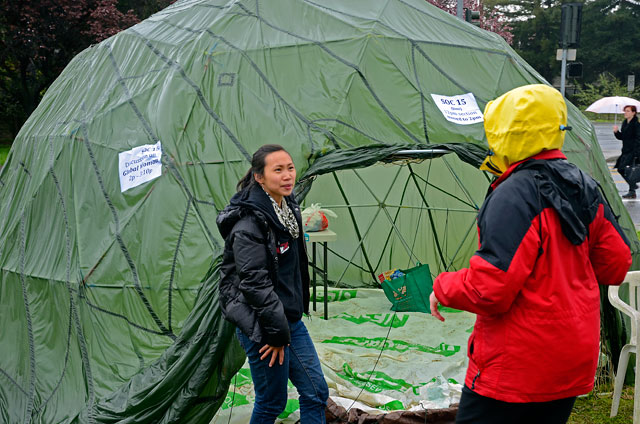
[(350, 65), (198, 91), (173, 263), (73, 312), (114, 213), (32, 353)]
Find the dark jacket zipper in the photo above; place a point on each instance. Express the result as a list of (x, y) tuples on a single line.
[(473, 383)]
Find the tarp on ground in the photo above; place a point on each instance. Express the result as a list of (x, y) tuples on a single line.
[(373, 359), (109, 195)]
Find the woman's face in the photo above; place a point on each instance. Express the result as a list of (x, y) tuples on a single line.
[(279, 175), (628, 113)]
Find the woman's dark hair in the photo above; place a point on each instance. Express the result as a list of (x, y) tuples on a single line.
[(257, 165), (632, 107)]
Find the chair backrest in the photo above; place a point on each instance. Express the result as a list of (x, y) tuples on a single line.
[(630, 308), (633, 279)]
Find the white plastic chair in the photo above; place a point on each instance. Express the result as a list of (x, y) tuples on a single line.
[(630, 309)]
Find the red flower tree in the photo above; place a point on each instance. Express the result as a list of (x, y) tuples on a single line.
[(491, 20)]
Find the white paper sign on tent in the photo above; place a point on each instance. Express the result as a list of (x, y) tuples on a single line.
[(139, 165), (461, 110)]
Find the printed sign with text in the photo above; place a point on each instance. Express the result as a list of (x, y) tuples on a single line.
[(139, 165), (461, 110)]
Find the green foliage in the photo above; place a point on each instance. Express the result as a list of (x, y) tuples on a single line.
[(39, 38), (536, 26), (4, 152), (609, 39), (606, 85), (607, 42)]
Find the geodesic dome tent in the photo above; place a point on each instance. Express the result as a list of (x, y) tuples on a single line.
[(108, 248)]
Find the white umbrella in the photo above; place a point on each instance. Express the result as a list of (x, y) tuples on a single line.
[(613, 104)]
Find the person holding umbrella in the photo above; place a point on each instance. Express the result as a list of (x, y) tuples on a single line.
[(630, 136)]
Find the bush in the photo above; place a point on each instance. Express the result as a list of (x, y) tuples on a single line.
[(4, 151), (606, 85)]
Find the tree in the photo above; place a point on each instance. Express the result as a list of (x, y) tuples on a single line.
[(492, 20), (606, 85), (536, 28), (39, 38), (609, 39), (143, 8)]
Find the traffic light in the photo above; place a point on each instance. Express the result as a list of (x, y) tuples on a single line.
[(570, 24), (574, 69), (472, 16)]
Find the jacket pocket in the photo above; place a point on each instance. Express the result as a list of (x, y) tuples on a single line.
[(477, 349), (471, 347), (243, 316)]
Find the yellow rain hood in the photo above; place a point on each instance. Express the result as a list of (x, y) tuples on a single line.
[(521, 123)]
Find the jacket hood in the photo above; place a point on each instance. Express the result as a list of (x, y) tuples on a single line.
[(254, 200), (522, 123), (573, 195), (227, 218)]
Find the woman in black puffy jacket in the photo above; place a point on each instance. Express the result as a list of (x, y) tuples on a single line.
[(264, 287), (630, 136)]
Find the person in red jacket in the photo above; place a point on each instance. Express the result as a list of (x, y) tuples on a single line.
[(547, 238)]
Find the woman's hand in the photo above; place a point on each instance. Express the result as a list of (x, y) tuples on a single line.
[(274, 351), (433, 305), (615, 128)]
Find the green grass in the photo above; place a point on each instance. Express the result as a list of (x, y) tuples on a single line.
[(595, 409), (4, 151), (606, 121)]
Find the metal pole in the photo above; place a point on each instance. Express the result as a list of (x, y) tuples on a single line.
[(563, 72), (315, 279), (459, 11), (326, 282)]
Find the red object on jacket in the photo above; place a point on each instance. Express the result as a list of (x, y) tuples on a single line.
[(533, 283)]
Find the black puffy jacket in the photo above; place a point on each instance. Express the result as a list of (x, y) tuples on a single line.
[(249, 271)]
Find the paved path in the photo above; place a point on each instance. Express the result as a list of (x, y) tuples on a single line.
[(611, 149)]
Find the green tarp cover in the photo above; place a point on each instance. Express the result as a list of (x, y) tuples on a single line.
[(108, 198)]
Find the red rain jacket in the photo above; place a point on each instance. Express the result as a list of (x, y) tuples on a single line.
[(547, 238)]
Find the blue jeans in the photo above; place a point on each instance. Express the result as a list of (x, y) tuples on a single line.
[(301, 365)]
